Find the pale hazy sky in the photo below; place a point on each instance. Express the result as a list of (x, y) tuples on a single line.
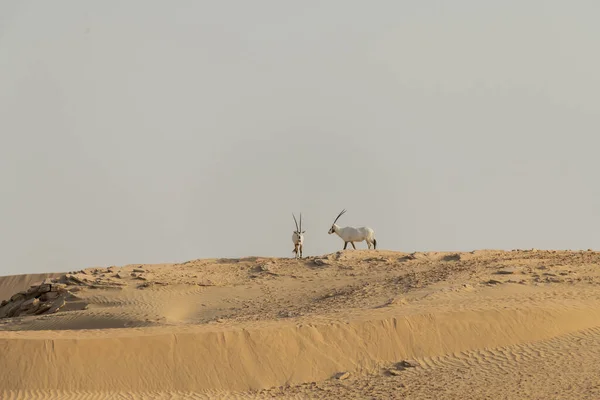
[(163, 131)]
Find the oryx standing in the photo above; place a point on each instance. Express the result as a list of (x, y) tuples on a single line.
[(298, 237), (350, 234)]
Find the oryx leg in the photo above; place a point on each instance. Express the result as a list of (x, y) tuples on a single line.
[(352, 243), (345, 245), (300, 251)]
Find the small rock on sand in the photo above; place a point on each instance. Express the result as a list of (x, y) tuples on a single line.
[(342, 375), (493, 282), (506, 271), (406, 364)]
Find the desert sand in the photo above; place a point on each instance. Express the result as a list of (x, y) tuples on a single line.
[(353, 324)]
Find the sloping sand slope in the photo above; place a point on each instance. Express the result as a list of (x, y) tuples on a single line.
[(486, 324)]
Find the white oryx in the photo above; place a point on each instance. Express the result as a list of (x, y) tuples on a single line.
[(350, 234), (298, 237)]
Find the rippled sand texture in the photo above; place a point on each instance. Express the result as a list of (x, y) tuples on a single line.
[(353, 324)]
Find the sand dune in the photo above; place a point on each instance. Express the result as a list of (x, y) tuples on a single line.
[(380, 324)]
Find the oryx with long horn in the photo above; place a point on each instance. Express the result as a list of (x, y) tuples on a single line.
[(298, 237), (350, 234)]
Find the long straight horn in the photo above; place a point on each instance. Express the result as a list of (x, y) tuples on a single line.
[(296, 222), (339, 215), (300, 223)]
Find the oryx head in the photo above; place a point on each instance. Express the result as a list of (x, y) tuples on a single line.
[(333, 226), (298, 230)]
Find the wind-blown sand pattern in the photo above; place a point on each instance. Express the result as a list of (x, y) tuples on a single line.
[(353, 324)]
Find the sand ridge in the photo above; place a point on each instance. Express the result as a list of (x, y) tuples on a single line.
[(288, 328)]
